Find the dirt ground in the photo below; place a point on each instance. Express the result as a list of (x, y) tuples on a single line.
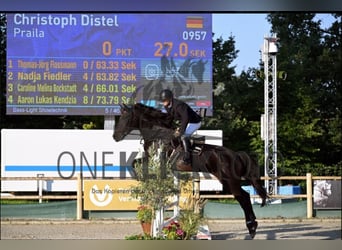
[(327, 229)]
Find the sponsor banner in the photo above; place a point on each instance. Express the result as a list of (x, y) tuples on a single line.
[(109, 195), (116, 195), (327, 194), (64, 153)]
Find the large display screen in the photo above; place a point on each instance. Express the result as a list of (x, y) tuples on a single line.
[(89, 64)]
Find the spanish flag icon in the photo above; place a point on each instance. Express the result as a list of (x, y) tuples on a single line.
[(194, 22)]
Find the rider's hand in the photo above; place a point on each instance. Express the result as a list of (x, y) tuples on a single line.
[(177, 133)]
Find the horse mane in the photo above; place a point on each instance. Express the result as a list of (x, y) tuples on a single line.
[(154, 116)]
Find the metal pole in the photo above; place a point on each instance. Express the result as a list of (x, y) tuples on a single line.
[(274, 127), (266, 113)]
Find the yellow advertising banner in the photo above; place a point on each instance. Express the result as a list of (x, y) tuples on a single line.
[(116, 195), (109, 195)]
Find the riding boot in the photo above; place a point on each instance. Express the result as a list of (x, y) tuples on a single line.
[(186, 147)]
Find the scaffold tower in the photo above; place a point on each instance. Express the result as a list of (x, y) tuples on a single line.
[(269, 119)]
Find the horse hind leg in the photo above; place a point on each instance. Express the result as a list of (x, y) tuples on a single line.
[(252, 227), (260, 190), (252, 174), (244, 200), (245, 203)]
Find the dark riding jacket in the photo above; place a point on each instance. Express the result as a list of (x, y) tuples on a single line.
[(182, 112)]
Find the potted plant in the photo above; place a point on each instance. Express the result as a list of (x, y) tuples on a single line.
[(145, 215), (190, 221)]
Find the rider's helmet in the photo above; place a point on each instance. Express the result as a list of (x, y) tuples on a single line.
[(166, 95)]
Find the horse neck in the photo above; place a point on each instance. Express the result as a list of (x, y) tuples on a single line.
[(152, 116), (152, 132), (154, 126)]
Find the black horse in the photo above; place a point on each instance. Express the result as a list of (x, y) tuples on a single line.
[(228, 166)]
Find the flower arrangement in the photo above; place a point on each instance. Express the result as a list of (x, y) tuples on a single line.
[(190, 222), (144, 214), (173, 231)]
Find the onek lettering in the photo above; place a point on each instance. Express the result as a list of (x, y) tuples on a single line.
[(94, 163)]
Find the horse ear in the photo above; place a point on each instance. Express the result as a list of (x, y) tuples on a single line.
[(125, 106)]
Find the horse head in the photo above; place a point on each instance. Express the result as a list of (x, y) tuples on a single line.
[(327, 188), (322, 191), (141, 117), (125, 124)]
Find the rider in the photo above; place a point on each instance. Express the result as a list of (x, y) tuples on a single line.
[(189, 119)]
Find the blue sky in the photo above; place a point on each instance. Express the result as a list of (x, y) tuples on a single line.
[(249, 31)]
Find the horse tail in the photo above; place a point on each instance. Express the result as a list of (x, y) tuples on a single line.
[(256, 183), (253, 175)]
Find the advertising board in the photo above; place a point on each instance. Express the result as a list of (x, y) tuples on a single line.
[(327, 194), (65, 153), (116, 195)]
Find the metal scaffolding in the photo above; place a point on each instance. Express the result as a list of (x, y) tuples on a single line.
[(269, 119)]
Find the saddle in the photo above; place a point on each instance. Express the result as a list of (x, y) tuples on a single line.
[(196, 145)]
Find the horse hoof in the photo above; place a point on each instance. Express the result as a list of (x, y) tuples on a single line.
[(252, 226)]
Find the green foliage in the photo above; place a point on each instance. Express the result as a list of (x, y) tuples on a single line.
[(232, 95), (89, 125), (224, 54), (183, 229), (144, 214), (189, 222), (156, 184), (309, 101), (17, 202), (143, 237)]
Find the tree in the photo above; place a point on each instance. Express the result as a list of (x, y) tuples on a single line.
[(156, 185), (237, 99), (223, 55), (309, 101)]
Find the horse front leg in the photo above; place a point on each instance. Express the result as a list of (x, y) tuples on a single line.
[(245, 202)]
